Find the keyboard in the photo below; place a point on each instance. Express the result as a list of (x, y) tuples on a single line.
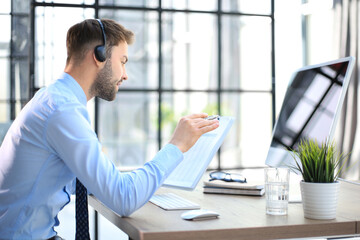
[(171, 201)]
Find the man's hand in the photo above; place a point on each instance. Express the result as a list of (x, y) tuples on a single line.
[(190, 128)]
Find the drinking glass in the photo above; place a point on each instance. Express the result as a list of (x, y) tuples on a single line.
[(277, 190)]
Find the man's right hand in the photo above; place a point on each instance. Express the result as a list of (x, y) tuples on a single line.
[(190, 128)]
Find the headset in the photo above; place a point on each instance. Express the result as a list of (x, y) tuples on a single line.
[(100, 50)]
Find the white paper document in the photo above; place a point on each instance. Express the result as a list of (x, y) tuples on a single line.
[(189, 172)]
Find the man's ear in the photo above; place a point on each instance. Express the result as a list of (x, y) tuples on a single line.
[(97, 62)]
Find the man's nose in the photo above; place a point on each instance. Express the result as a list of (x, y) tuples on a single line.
[(124, 76)]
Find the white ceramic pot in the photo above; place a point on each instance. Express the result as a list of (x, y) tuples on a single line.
[(320, 199)]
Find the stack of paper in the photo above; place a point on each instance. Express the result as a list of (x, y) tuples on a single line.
[(219, 186)]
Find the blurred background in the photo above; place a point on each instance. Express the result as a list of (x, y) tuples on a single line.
[(227, 57)]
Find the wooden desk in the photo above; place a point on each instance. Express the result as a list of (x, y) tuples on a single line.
[(241, 217)]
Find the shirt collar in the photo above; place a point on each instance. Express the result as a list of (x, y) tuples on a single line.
[(75, 87)]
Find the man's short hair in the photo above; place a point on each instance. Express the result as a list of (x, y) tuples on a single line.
[(86, 35)]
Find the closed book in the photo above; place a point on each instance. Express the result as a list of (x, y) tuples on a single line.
[(235, 185), (234, 191)]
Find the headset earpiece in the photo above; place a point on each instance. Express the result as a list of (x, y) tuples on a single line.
[(100, 51)]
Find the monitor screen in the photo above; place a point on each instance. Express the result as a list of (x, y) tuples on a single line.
[(310, 108)]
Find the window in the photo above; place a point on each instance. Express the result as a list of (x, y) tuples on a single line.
[(320, 26), (14, 58)]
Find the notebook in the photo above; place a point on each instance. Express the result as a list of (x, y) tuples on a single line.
[(253, 188), (234, 191), (189, 172)]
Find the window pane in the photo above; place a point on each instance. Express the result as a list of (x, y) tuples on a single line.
[(248, 140), (128, 128), (68, 1), (321, 27), (189, 51), (5, 78), (202, 5), (247, 6), (176, 105), (18, 106), (246, 53), (50, 41), (4, 125), (5, 35), (20, 68), (5, 7), (4, 111), (132, 3), (142, 68)]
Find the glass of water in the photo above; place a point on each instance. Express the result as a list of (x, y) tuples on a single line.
[(277, 190)]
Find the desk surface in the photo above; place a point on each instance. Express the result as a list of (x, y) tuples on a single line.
[(241, 217)]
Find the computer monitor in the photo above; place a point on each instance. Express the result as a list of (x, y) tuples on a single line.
[(311, 108)]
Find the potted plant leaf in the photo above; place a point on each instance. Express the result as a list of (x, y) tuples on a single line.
[(320, 166)]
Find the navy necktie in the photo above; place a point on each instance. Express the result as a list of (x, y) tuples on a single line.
[(81, 215)]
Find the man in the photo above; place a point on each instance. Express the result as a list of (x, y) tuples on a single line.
[(51, 142)]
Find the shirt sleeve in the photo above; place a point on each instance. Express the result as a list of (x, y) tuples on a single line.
[(70, 136)]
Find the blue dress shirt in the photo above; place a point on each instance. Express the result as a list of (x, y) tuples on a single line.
[(49, 144)]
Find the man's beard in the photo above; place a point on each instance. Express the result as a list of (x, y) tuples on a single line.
[(102, 86)]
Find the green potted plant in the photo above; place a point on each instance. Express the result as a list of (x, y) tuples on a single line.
[(320, 166)]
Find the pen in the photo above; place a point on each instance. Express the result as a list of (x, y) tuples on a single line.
[(212, 117)]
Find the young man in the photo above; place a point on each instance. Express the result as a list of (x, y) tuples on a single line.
[(51, 142)]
